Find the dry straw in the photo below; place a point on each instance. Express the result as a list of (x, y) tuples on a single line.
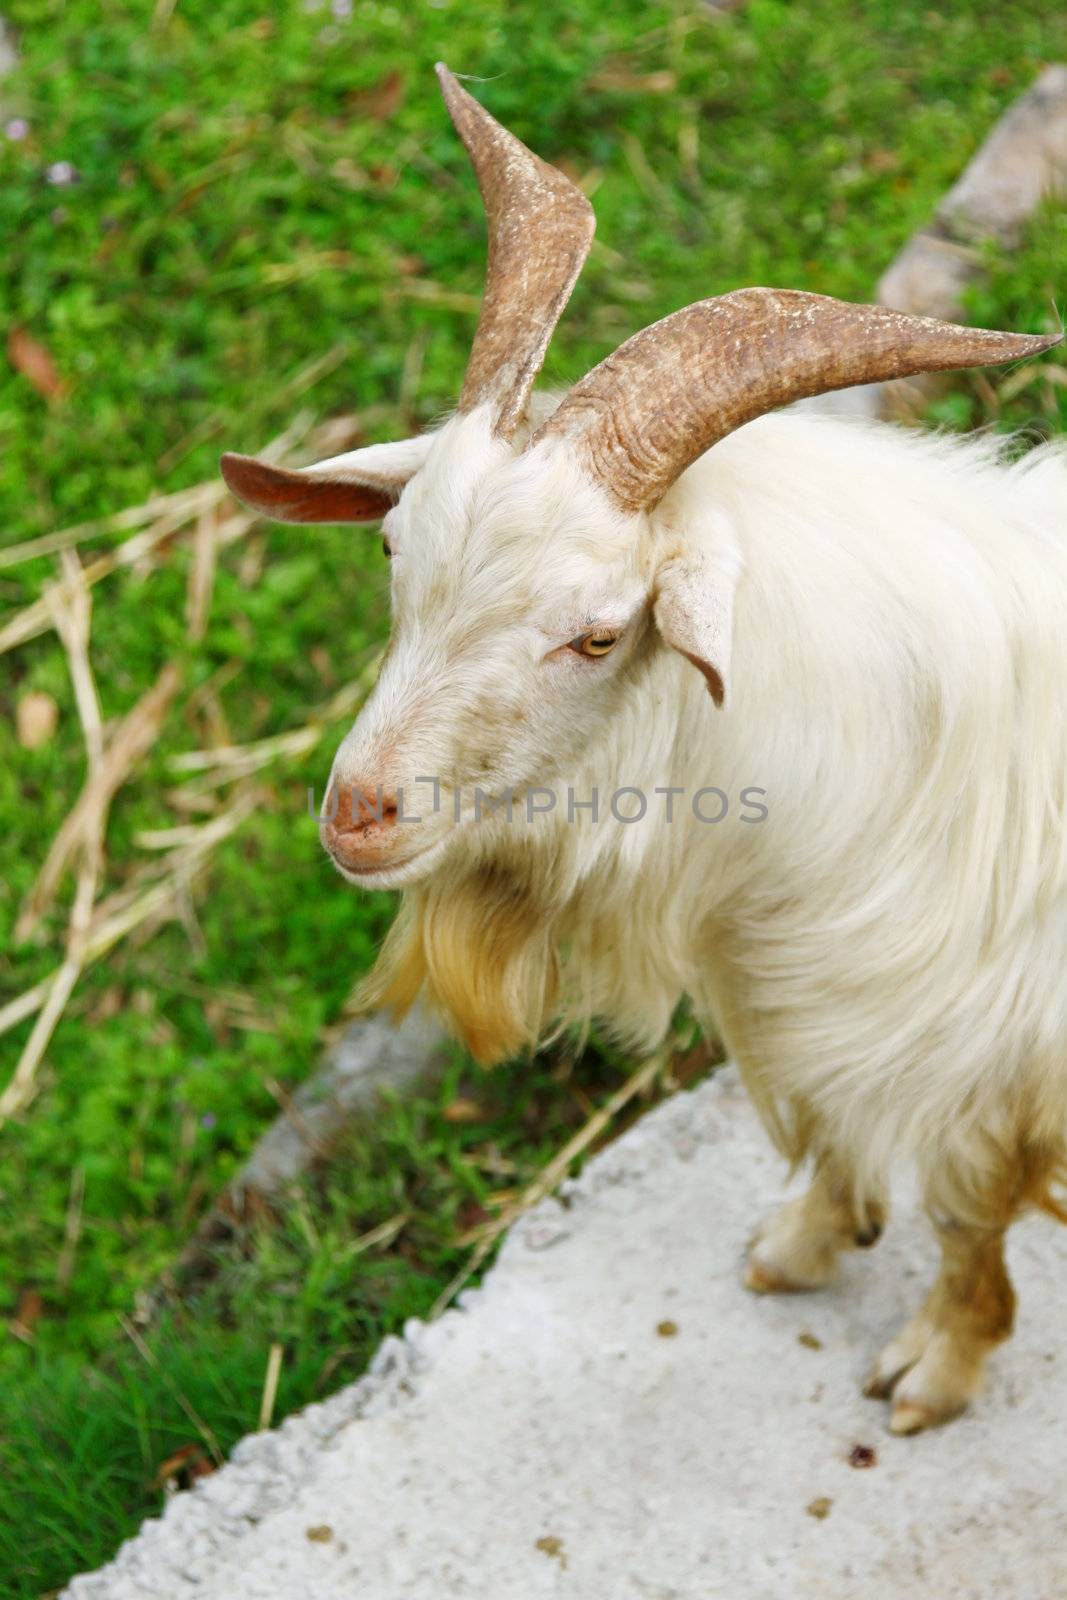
[(204, 519)]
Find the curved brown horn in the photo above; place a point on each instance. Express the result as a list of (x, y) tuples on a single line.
[(647, 412), (540, 230)]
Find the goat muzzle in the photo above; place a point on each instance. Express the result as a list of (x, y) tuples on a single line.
[(358, 827)]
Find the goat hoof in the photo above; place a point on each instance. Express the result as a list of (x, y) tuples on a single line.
[(786, 1256), (880, 1385), (761, 1279), (908, 1418), (930, 1375), (911, 1416)]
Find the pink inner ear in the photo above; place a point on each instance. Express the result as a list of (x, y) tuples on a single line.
[(295, 497), (716, 687)]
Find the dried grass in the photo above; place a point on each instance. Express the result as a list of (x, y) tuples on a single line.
[(87, 820), (185, 503), (73, 624), (270, 1385), (167, 516), (161, 889), (227, 762), (202, 573), (130, 908), (552, 1174)]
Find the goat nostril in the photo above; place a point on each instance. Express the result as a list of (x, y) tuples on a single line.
[(351, 809)]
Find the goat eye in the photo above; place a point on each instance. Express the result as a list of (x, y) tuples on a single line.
[(386, 546), (594, 644)]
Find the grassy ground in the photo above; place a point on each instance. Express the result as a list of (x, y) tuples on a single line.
[(256, 188)]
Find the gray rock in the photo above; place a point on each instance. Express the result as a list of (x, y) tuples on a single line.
[(374, 1055), (1022, 163)]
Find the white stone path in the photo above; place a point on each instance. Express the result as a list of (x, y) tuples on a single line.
[(612, 1418)]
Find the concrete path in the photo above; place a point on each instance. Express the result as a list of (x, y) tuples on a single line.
[(612, 1418)]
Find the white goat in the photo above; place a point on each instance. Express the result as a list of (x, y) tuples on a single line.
[(877, 928)]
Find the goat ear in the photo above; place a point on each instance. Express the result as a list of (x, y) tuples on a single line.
[(357, 487), (693, 608)]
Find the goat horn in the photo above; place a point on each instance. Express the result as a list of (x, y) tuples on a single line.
[(540, 229), (665, 396)]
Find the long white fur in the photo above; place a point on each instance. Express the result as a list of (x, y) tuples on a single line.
[(888, 947)]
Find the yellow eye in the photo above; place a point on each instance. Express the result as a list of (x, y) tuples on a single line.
[(594, 644)]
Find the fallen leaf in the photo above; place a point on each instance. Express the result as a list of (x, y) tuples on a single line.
[(469, 1217), (820, 1507), (218, 1020), (352, 176), (383, 99), (108, 1005), (36, 716), (29, 357), (620, 79), (810, 1341), (667, 1329), (184, 1467), (320, 660), (27, 1315), (462, 1109), (321, 1533)]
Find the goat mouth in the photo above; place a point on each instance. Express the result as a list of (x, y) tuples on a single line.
[(389, 874)]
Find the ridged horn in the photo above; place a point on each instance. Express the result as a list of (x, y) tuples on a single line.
[(540, 229), (644, 414)]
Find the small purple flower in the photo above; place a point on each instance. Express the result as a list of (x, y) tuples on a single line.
[(17, 128), (62, 174), (208, 1120), (342, 9)]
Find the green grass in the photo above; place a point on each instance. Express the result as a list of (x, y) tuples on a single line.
[(258, 186), (80, 1454)]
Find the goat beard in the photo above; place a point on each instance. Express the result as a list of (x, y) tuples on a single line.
[(477, 941)]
